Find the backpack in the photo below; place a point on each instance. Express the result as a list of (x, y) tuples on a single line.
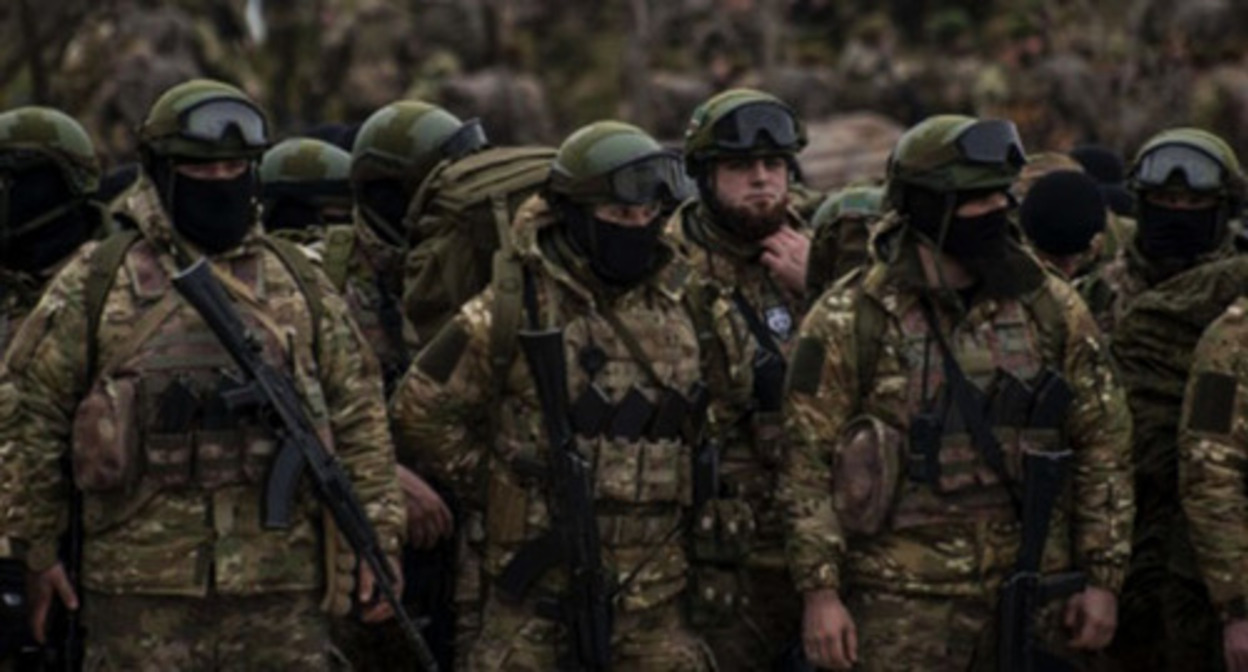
[(459, 217)]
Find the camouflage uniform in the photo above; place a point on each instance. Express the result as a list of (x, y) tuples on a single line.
[(174, 512), (474, 421), (918, 557), (745, 607)]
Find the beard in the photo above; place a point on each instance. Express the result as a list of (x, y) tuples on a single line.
[(754, 222)]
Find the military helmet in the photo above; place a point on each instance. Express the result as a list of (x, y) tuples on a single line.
[(1190, 157), (405, 140), (614, 162), (849, 202), (741, 122), (205, 119), (37, 134), (308, 165), (949, 153)]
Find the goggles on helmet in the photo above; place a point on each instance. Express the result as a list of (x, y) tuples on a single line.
[(651, 178), (210, 120), (1200, 171), (469, 138), (993, 141), (744, 127)]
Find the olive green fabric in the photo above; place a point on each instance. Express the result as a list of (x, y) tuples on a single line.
[(593, 151), (700, 143)]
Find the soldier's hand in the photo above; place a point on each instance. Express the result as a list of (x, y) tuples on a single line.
[(375, 608), (42, 586), (428, 517), (828, 633), (1235, 644), (1093, 616), (786, 253)]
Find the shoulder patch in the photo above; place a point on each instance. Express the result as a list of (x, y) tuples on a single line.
[(439, 359), (1213, 403), (806, 368)]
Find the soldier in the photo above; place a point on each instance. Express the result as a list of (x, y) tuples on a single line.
[(1063, 216), (746, 245), (49, 175), (115, 368), (842, 231), (590, 264), (899, 546), (1188, 186), (305, 187)]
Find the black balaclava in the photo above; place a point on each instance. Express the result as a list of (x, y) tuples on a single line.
[(42, 193), (291, 214), (1062, 212), (1166, 233), (618, 255), (384, 204)]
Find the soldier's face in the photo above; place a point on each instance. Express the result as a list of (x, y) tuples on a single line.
[(623, 214), (213, 170), (755, 185), (1181, 199)]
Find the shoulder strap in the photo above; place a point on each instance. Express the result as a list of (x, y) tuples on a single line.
[(762, 334), (339, 245), (870, 323), (305, 276), (105, 260)]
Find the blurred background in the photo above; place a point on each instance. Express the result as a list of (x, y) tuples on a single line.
[(1068, 72)]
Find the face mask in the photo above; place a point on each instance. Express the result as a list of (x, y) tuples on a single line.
[(44, 221), (384, 203), (977, 237), (618, 255), (1177, 234), (215, 215)]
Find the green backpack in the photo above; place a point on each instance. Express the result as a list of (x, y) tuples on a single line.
[(459, 218)]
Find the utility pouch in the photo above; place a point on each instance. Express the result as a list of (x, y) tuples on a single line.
[(715, 594), (866, 474), (590, 411), (632, 416), (724, 532), (105, 436)]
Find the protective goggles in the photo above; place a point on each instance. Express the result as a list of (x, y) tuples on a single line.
[(1201, 171), (469, 138), (744, 128), (210, 120), (21, 160), (652, 178), (993, 141)]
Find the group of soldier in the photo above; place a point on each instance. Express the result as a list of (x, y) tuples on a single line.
[(656, 409)]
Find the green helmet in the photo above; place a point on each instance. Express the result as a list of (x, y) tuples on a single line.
[(741, 122), (614, 162), (862, 202), (405, 140), (949, 153), (308, 165), (52, 135), (205, 120), (1191, 158)]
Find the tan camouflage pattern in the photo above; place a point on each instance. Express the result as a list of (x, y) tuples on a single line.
[(643, 488), (130, 632), (960, 544), (152, 527), (750, 442)]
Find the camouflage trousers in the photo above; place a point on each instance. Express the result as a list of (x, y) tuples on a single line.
[(286, 631), (768, 620), (513, 639), (944, 634)]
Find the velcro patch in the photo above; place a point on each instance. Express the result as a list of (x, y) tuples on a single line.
[(806, 369), (438, 359), (1213, 403)]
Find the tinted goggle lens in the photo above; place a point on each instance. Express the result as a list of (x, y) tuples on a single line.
[(212, 120), (746, 126), (1201, 171), (993, 141), (649, 180), (469, 138)]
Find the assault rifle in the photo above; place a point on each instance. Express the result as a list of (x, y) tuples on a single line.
[(273, 393), (585, 607)]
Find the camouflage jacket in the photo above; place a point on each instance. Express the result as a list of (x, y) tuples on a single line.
[(172, 500), (750, 440), (857, 515), (456, 420), (369, 274), (1213, 458)]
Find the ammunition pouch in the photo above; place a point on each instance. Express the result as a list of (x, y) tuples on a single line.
[(715, 595), (866, 474), (724, 532), (105, 436), (641, 471)]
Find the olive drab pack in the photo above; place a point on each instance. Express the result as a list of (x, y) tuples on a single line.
[(459, 218)]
